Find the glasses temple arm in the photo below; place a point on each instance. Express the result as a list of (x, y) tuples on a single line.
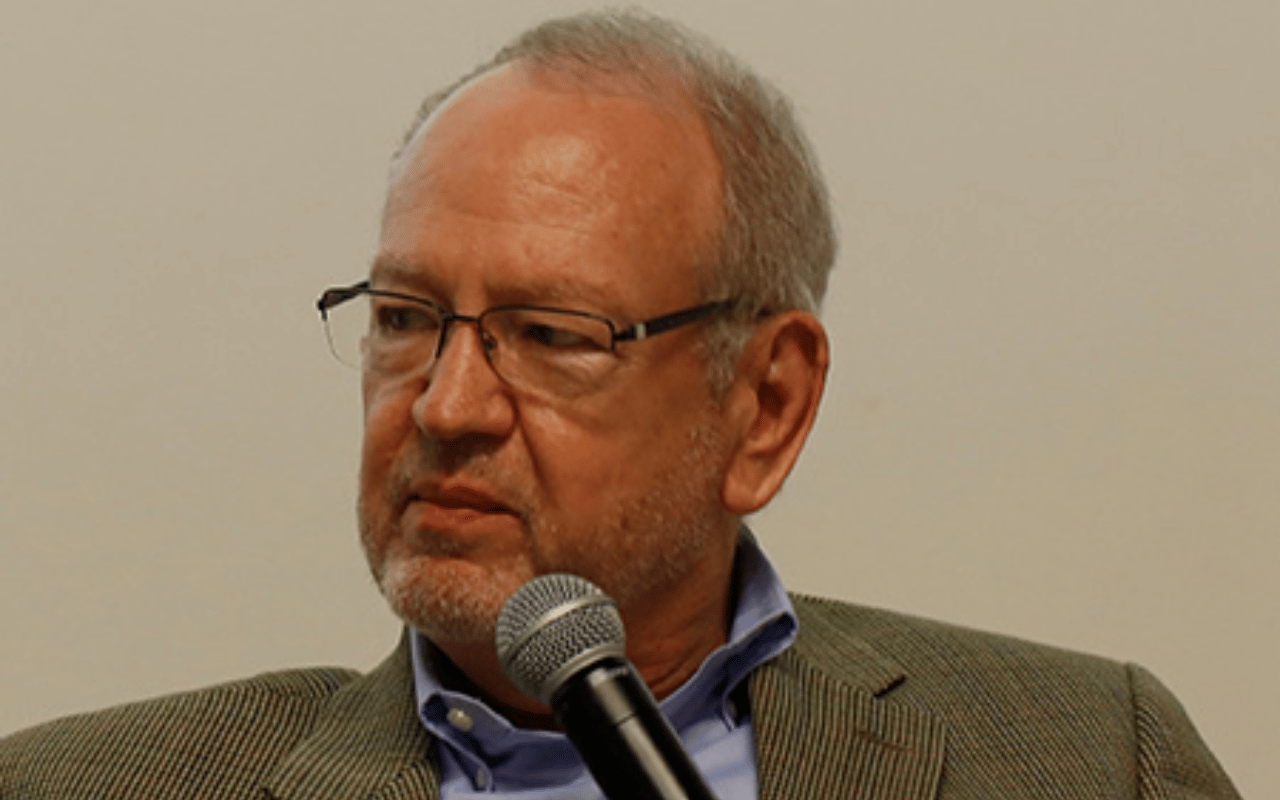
[(657, 325)]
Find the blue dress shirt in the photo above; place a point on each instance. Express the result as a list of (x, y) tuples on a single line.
[(482, 755)]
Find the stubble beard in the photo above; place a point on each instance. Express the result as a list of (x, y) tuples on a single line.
[(441, 593), (649, 543)]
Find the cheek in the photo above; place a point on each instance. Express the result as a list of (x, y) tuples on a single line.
[(388, 423), (587, 462), (388, 407)]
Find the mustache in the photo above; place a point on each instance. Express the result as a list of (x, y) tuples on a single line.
[(466, 455), (469, 462)]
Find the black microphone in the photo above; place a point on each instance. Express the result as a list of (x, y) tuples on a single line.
[(561, 640)]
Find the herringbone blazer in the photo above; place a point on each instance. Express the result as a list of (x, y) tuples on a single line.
[(867, 704)]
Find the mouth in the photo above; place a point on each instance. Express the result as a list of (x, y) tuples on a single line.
[(457, 511), (456, 494)]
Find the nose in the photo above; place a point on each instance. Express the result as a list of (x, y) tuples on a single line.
[(463, 396)]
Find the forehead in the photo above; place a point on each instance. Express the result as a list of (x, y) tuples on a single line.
[(519, 160)]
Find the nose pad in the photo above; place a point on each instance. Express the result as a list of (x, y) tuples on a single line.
[(445, 324), (488, 343)]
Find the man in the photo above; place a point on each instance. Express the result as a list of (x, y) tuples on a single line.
[(588, 344)]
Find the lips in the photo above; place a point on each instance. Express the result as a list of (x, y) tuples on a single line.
[(460, 496), (457, 511)]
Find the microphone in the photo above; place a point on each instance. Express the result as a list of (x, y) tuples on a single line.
[(561, 640)]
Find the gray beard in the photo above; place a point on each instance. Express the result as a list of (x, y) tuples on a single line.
[(645, 546)]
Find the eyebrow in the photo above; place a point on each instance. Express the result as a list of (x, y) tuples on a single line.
[(396, 272)]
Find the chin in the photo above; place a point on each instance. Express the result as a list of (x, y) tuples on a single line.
[(454, 602)]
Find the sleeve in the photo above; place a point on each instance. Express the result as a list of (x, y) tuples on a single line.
[(1173, 762)]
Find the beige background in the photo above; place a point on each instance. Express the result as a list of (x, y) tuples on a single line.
[(1054, 406)]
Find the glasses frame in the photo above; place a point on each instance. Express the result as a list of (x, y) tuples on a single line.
[(336, 296)]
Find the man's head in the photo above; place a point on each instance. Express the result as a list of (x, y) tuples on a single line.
[(775, 240), (590, 182)]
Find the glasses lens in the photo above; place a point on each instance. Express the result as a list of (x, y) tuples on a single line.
[(345, 326), (550, 352), (561, 353), (386, 334)]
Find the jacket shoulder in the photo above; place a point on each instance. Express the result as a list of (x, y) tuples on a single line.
[(211, 742), (1018, 714), (925, 646), (995, 685)]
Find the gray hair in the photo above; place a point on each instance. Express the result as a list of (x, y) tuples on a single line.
[(776, 242)]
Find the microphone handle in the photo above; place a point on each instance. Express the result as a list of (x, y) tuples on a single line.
[(631, 749)]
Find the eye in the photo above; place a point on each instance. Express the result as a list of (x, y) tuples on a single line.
[(555, 337), (398, 318), (548, 334)]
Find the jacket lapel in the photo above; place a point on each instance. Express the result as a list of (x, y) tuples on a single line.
[(826, 729), (368, 743)]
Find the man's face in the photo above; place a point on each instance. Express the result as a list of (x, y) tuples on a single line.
[(520, 192)]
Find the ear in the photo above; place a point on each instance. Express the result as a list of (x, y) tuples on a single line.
[(772, 405)]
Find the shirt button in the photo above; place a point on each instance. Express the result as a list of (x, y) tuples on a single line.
[(460, 720)]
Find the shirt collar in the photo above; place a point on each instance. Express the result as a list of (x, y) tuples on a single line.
[(491, 750)]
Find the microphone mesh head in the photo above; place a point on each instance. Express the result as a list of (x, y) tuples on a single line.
[(553, 626)]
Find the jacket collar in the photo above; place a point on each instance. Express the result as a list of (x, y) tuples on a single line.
[(825, 724), (367, 743)]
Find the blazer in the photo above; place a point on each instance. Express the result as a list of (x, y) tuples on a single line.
[(866, 704)]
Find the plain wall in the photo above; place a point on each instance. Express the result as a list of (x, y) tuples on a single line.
[(1054, 404)]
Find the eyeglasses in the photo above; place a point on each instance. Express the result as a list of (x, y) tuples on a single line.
[(546, 350)]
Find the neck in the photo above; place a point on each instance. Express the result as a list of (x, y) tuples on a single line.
[(669, 643), (475, 670), (666, 645), (668, 637)]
